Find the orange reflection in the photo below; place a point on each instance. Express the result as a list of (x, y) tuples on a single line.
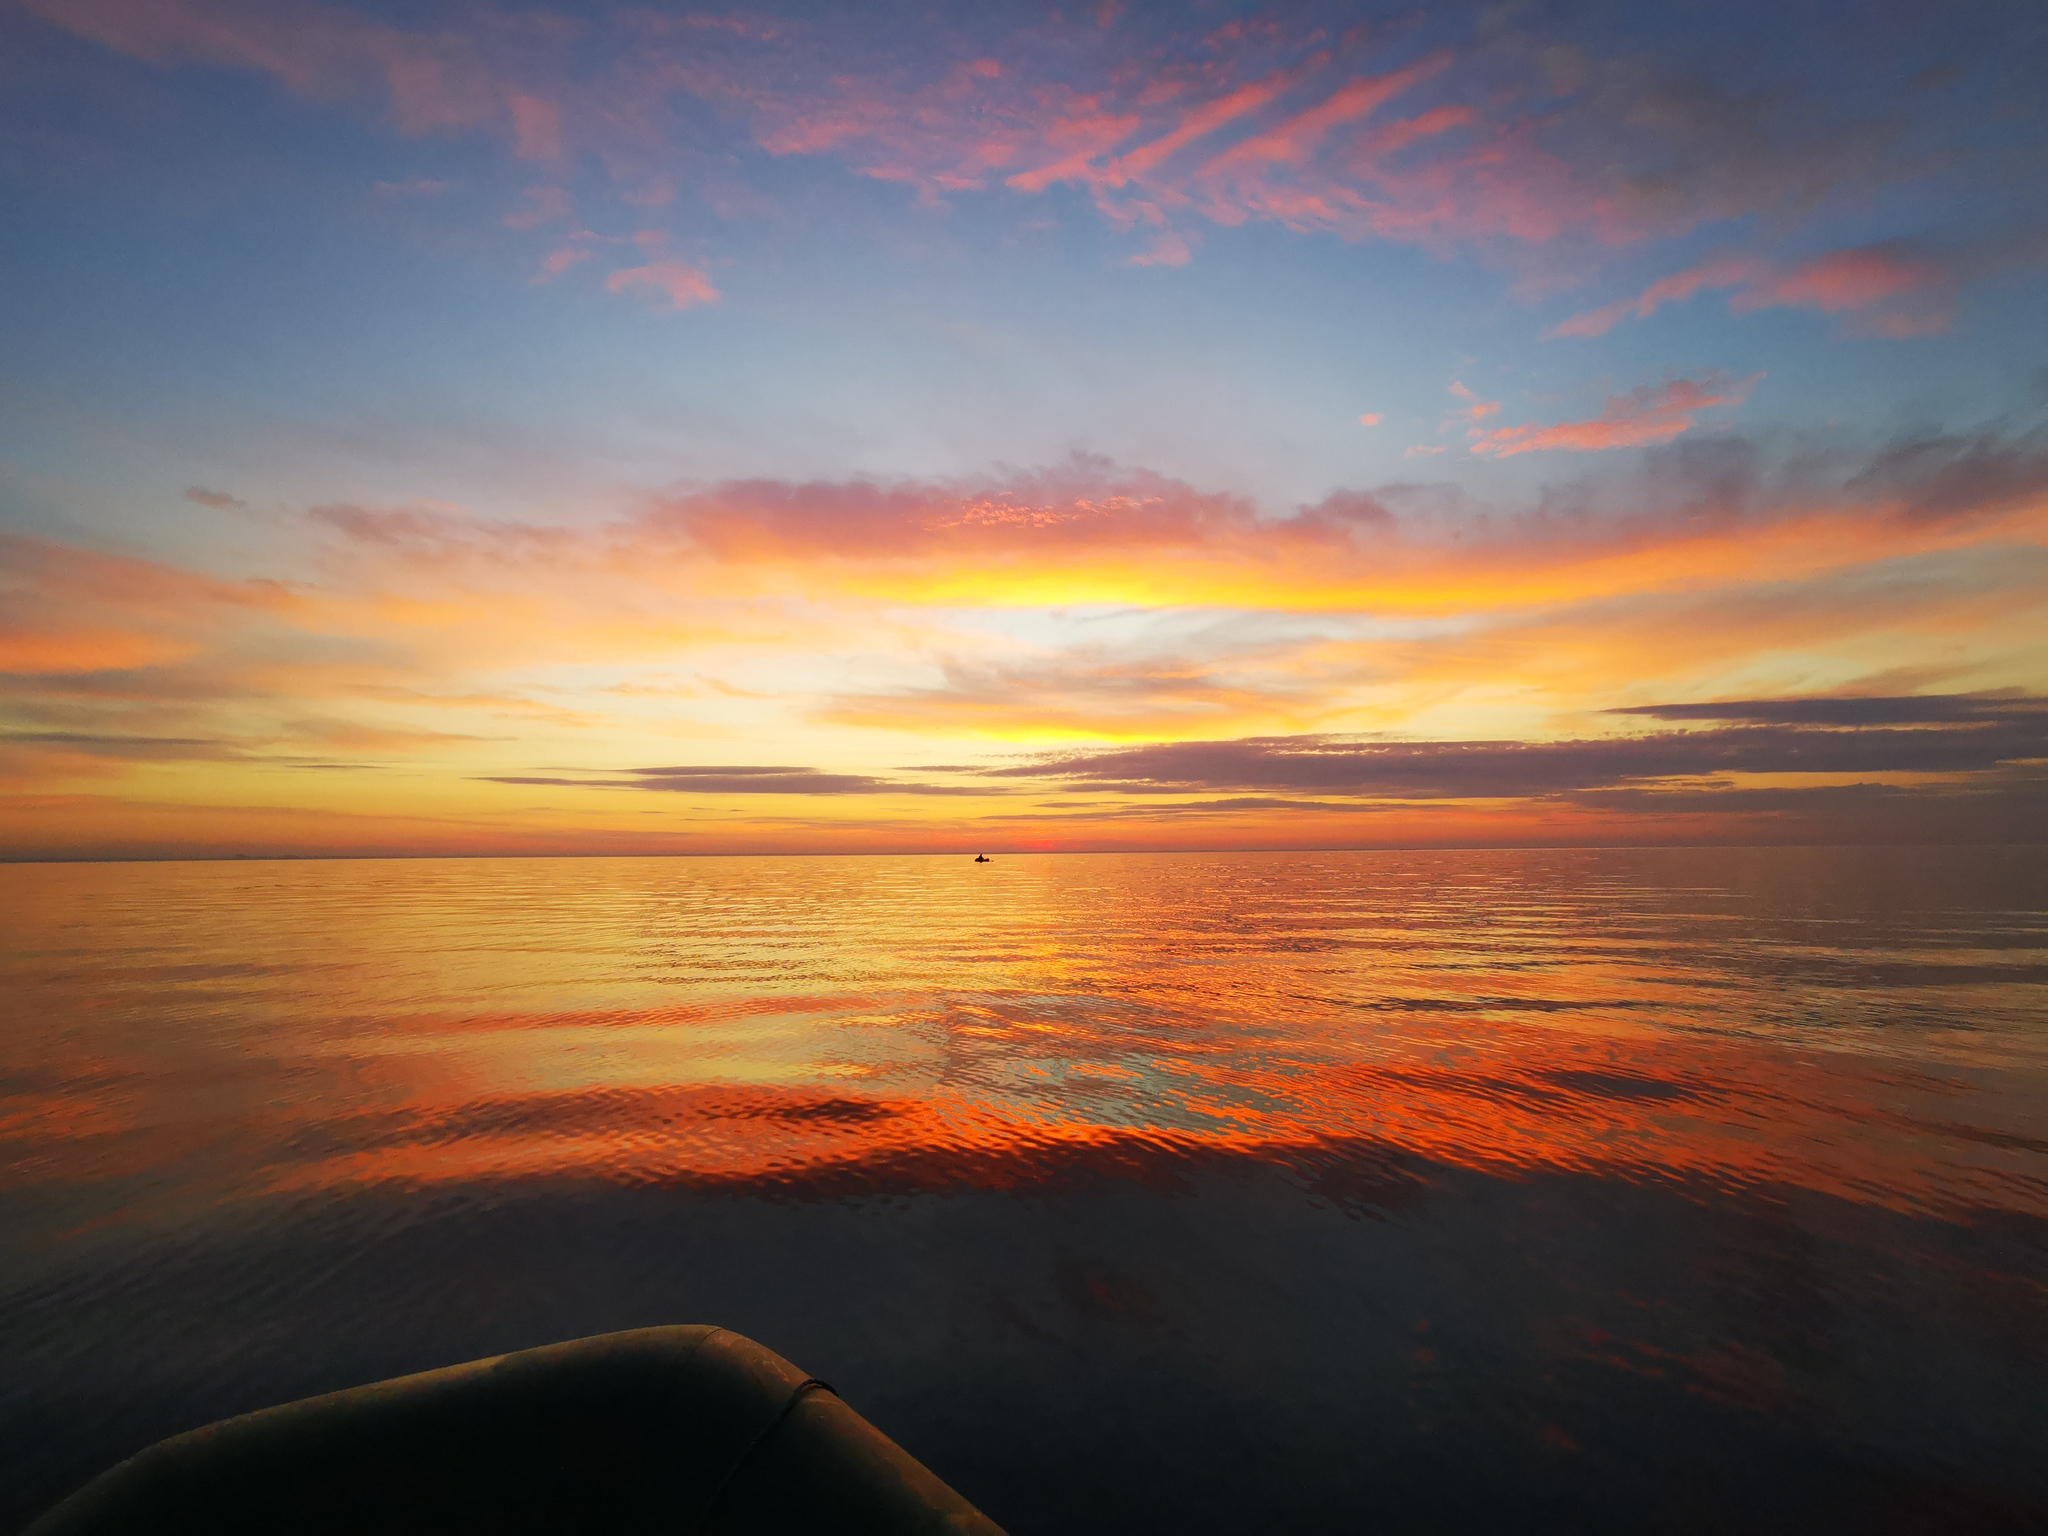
[(1525, 1100), (841, 1027)]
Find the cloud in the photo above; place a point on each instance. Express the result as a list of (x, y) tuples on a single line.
[(1081, 504), (544, 205), (746, 780), (681, 285), (1198, 122), (219, 500), (126, 748), (1169, 248), (1087, 531), (1448, 130), (1892, 291), (1991, 735), (1856, 710), (1081, 600), (556, 262), (1727, 273), (1098, 693), (1946, 475), (536, 127), (429, 81), (1650, 413), (1476, 409), (1844, 280), (1369, 419), (1295, 140)]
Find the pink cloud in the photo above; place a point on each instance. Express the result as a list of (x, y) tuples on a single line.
[(555, 263), (544, 205), (1677, 288), (1083, 140), (536, 128), (431, 81), (1266, 121), (682, 285), (1398, 136), (1082, 504), (1650, 413), (1294, 140), (1168, 249), (1910, 293), (658, 192), (1198, 122), (1369, 419)]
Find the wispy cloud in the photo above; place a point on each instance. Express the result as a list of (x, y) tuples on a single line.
[(558, 261), (1474, 409), (1979, 737), (1650, 413), (1889, 290), (1459, 129), (1094, 695), (675, 285), (544, 205), (744, 780)]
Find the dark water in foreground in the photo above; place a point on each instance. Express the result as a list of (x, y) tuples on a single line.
[(1588, 1191)]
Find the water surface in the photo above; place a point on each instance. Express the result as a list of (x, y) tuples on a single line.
[(1690, 1190)]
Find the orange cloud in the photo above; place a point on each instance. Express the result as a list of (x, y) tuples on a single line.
[(1646, 414), (86, 649), (808, 620), (1476, 408)]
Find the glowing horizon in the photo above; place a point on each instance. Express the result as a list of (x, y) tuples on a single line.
[(581, 429)]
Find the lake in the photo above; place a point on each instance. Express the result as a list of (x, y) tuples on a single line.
[(1603, 1190)]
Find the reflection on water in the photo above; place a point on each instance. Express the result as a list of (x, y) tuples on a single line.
[(1570, 1189)]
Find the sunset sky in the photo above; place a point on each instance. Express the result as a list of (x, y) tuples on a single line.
[(525, 428)]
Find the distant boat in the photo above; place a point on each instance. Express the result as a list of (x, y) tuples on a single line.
[(982, 858)]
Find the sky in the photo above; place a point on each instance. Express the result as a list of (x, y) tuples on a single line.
[(444, 428)]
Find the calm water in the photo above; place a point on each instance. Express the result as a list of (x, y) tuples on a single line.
[(1580, 1191)]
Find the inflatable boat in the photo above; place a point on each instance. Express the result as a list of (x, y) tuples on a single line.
[(672, 1430)]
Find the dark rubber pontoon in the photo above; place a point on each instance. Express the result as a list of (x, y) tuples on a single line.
[(675, 1430)]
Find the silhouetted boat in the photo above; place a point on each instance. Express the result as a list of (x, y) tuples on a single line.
[(982, 858), (660, 1429)]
